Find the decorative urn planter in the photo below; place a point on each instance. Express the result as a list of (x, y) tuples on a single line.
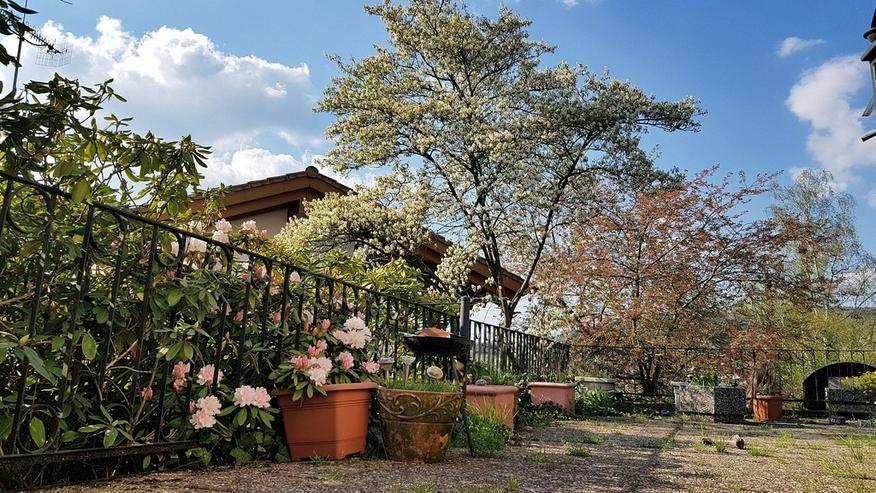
[(561, 394), (417, 425), (592, 384), (333, 426), (721, 404), (767, 407), (502, 398)]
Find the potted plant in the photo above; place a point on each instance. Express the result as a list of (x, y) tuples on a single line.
[(418, 416), (325, 390), (561, 394), (768, 399), (493, 392), (705, 395)]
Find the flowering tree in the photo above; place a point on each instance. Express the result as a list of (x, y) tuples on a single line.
[(458, 106), (654, 267)]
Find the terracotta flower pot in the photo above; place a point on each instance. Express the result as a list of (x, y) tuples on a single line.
[(333, 426), (502, 398), (417, 425), (767, 407), (561, 394)]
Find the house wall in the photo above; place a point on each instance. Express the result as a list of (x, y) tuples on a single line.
[(273, 220)]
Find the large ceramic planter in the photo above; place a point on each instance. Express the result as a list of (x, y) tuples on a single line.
[(417, 425), (333, 426), (502, 398), (768, 407), (561, 394), (719, 404), (849, 402), (592, 384)]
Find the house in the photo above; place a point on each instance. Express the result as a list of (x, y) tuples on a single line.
[(271, 202)]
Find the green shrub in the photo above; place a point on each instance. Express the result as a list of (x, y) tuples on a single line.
[(597, 402), (489, 434)]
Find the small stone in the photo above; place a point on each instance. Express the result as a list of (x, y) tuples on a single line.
[(708, 441), (481, 381), (740, 443)]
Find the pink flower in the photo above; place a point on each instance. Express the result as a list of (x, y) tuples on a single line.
[(180, 370), (346, 360), (192, 407), (171, 274), (239, 316), (220, 237), (222, 226), (264, 233), (246, 395), (361, 315), (315, 350), (326, 324), (210, 404), (276, 317), (300, 362), (244, 276), (370, 367), (214, 311), (319, 370), (295, 278), (261, 271), (178, 385), (205, 375), (147, 394), (249, 226), (201, 419)]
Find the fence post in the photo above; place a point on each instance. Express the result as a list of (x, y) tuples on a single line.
[(464, 313)]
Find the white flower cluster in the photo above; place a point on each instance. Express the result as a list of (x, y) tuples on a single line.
[(355, 333)]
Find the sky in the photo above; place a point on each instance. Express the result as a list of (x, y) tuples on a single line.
[(781, 80)]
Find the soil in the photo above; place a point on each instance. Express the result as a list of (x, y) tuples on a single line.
[(634, 455)]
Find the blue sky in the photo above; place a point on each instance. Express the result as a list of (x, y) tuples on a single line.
[(243, 80)]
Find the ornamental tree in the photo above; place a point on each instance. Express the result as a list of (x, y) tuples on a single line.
[(655, 266), (460, 108)]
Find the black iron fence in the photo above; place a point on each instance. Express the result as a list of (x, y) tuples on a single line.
[(97, 304), (519, 352), (801, 375)]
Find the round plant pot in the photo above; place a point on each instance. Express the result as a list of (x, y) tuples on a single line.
[(484, 398), (332, 426), (561, 394), (417, 425), (767, 407)]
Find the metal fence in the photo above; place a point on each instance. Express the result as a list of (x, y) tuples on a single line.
[(96, 302), (647, 371), (510, 350)]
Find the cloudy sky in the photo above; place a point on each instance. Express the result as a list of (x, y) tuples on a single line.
[(781, 80)]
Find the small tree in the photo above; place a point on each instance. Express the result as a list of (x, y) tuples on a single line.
[(459, 107), (654, 267)]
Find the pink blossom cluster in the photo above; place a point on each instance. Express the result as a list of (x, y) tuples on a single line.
[(370, 367), (222, 228), (205, 413), (355, 333), (346, 360), (180, 370), (318, 370), (205, 375), (315, 350), (246, 395), (249, 227)]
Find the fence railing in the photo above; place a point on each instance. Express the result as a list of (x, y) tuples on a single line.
[(803, 373), (96, 304), (513, 351)]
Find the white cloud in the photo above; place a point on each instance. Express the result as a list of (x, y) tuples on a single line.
[(794, 44), (179, 82), (232, 168), (871, 198), (823, 98)]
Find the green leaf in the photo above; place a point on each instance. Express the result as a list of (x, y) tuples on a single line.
[(81, 190), (174, 296), (90, 428), (37, 364), (69, 436), (173, 350), (37, 431), (89, 347), (5, 427), (188, 351), (109, 437), (146, 461), (240, 418)]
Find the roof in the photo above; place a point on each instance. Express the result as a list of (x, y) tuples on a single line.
[(254, 197)]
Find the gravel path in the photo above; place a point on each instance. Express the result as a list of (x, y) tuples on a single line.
[(635, 455)]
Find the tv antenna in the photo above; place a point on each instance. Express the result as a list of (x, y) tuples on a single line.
[(51, 54)]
